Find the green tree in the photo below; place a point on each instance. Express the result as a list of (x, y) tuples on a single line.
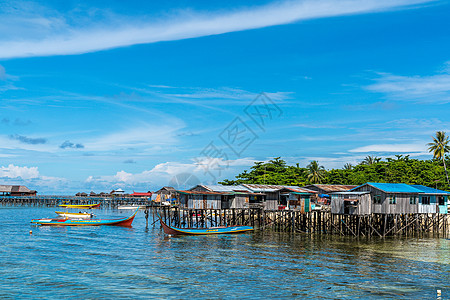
[(348, 166), (440, 147), (316, 173), (370, 160)]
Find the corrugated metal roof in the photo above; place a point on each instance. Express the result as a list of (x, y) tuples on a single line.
[(166, 188), (266, 187), (300, 190), (201, 193), (429, 190), (14, 188), (333, 187), (403, 188), (5, 188), (224, 188), (393, 187), (350, 193)]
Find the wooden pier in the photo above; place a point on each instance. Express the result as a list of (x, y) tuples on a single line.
[(315, 222), (57, 200)]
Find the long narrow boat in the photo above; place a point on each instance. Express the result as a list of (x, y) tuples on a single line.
[(171, 230), (83, 206), (83, 222), (70, 215)]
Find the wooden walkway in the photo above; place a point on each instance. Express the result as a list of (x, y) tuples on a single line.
[(315, 222), (57, 200)]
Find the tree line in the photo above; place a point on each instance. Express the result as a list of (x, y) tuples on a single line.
[(400, 169)]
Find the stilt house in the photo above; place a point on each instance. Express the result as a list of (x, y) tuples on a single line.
[(401, 198)]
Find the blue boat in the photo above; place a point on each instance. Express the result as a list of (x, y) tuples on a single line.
[(171, 230)]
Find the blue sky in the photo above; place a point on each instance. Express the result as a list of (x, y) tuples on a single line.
[(98, 95)]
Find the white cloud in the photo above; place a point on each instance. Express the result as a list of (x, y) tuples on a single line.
[(427, 89), (144, 135), (163, 173), (398, 148), (56, 34), (30, 177), (12, 171)]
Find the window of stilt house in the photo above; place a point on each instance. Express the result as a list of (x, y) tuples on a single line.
[(377, 199), (392, 199)]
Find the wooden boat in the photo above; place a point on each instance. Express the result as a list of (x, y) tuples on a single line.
[(83, 222), (70, 215), (130, 206), (82, 206), (171, 230)]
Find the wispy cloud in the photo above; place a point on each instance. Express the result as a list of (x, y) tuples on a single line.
[(142, 135), (28, 140), (426, 89), (129, 161), (58, 34), (6, 80), (69, 144), (16, 122), (398, 148)]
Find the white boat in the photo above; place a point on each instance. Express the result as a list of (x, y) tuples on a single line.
[(79, 215), (130, 206)]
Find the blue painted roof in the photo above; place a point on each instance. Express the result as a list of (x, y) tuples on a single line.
[(403, 188), (394, 187), (429, 190)]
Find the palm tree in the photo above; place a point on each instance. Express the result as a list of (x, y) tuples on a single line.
[(348, 166), (439, 147), (316, 173), (370, 160)]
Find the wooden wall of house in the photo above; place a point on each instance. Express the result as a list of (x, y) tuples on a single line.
[(271, 205), (337, 204), (272, 200), (427, 208), (198, 202), (363, 206), (239, 201)]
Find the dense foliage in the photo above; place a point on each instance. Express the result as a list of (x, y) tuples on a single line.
[(401, 169)]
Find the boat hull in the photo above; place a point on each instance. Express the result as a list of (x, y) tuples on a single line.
[(83, 206), (74, 215), (171, 230), (82, 222)]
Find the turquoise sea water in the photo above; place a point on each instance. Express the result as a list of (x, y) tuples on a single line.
[(139, 263)]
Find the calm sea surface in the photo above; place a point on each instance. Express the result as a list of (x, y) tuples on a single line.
[(139, 263)]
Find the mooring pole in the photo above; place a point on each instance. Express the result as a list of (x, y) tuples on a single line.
[(146, 217)]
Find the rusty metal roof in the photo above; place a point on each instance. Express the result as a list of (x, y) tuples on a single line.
[(14, 189), (202, 193), (166, 188), (300, 190), (267, 187), (333, 187), (222, 188)]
